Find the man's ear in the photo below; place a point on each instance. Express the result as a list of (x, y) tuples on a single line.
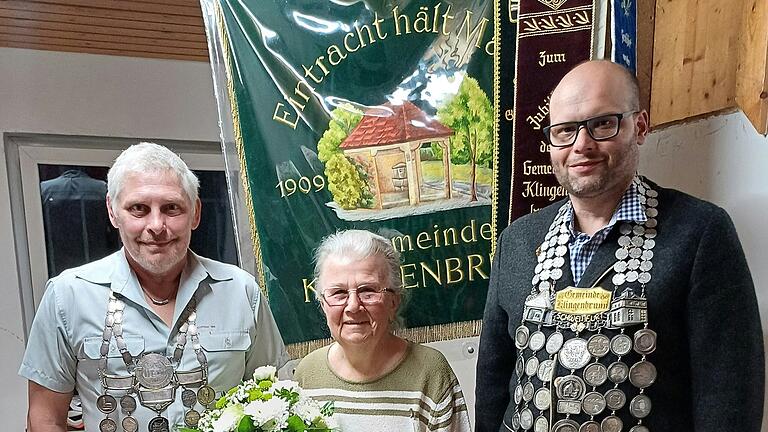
[(642, 126), (112, 217), (198, 207)]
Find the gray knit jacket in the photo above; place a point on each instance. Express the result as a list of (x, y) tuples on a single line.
[(701, 303)]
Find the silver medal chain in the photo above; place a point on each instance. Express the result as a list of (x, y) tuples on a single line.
[(633, 255), (156, 390), (634, 263)]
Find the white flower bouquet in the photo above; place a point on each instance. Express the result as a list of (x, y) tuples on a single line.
[(264, 404)]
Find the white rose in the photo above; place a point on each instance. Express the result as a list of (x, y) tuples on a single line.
[(268, 413), (307, 409), (265, 373), (229, 419)]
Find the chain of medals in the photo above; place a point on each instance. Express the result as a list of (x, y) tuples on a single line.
[(591, 388), (153, 378)]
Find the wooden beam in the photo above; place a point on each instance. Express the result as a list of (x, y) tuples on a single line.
[(102, 51), (752, 68), (100, 21), (190, 8), (92, 12), (646, 13), (129, 50), (101, 30), (118, 39)]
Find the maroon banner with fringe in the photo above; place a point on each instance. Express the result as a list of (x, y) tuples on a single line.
[(553, 36)]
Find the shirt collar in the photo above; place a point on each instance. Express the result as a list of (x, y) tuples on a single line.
[(117, 272), (630, 209)]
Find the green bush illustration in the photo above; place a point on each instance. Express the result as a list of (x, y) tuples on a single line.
[(347, 182)]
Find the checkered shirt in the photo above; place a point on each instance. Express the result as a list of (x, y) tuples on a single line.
[(582, 247)]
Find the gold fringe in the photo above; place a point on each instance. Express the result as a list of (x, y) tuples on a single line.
[(420, 335), (238, 136), (496, 121)]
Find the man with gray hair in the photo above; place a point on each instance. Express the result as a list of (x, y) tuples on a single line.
[(625, 307), (150, 335)]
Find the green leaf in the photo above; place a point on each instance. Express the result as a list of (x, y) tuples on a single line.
[(246, 425), (296, 424)]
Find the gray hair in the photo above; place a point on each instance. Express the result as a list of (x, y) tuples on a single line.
[(150, 157), (360, 244)]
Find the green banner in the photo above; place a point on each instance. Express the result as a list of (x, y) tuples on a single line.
[(371, 115)]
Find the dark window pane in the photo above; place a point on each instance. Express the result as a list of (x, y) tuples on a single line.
[(77, 227)]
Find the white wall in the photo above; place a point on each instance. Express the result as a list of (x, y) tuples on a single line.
[(719, 159)]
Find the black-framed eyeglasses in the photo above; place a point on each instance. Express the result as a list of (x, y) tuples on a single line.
[(600, 128), (367, 295)]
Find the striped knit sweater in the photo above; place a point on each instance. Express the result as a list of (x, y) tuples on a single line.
[(421, 394)]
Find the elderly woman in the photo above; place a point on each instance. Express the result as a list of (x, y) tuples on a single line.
[(377, 380)]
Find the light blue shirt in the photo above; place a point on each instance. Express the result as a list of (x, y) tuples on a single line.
[(235, 325)]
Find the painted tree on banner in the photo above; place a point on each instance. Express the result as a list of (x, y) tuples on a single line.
[(470, 114)]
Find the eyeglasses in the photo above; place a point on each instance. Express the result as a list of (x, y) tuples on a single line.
[(600, 128), (366, 295)]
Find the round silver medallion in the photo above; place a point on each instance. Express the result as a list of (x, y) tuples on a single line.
[(554, 342), (590, 426), (541, 424), (645, 341), (620, 266), (651, 223), (640, 406), (593, 403), (565, 425), (617, 372), (595, 374), (615, 399), (106, 403), (574, 354), (154, 371), (521, 337), (642, 374), (107, 425), (621, 344), (516, 421), (571, 387), (542, 399), (625, 228), (621, 254), (646, 266), (545, 370), (526, 419), (618, 278), (556, 273), (611, 424), (528, 391), (598, 345), (639, 428), (130, 424), (537, 341), (635, 252), (644, 277), (623, 241), (531, 366)]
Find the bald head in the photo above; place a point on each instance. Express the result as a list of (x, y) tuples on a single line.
[(600, 81)]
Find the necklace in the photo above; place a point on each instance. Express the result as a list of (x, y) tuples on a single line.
[(578, 343), (153, 378), (155, 301)]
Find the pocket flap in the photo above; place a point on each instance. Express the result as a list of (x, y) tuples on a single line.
[(220, 340), (92, 346)]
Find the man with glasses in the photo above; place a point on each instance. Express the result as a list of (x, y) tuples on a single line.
[(625, 307)]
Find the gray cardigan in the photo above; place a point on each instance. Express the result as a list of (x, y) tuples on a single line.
[(701, 302)]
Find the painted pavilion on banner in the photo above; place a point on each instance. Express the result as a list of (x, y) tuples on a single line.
[(387, 143)]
